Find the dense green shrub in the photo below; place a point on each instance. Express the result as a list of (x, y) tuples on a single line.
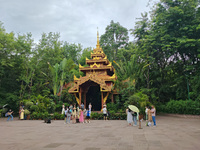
[(46, 115), (28, 104), (41, 107), (58, 108), (34, 115), (96, 116), (34, 108), (1, 112), (51, 107), (57, 116), (180, 107), (112, 107), (40, 115), (26, 112)]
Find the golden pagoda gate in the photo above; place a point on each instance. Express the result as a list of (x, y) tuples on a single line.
[(99, 72)]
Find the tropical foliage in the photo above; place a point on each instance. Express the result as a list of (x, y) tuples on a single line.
[(162, 63)]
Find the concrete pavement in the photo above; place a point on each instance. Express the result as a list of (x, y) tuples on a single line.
[(171, 133)]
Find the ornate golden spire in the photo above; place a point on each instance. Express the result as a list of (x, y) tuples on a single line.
[(98, 45)]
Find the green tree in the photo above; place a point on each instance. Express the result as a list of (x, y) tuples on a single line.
[(168, 44), (115, 37)]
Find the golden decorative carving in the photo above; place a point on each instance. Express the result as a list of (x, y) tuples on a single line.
[(110, 64), (113, 76), (98, 45), (80, 66), (77, 99), (96, 58), (86, 59), (105, 98), (98, 65), (75, 78)]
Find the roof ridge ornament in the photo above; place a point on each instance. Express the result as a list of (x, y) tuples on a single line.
[(98, 45)]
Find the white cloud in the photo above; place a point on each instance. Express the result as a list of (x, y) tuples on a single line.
[(76, 20)]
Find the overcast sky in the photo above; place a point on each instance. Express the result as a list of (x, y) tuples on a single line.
[(75, 20)]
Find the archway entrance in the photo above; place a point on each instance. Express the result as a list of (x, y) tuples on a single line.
[(93, 96)]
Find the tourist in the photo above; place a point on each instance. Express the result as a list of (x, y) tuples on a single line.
[(66, 110), (84, 115), (63, 109), (90, 107), (22, 114), (88, 115), (81, 118), (104, 112), (78, 112), (82, 106), (9, 115), (153, 112), (71, 107), (74, 114), (146, 112), (135, 118), (149, 116), (129, 116), (69, 112)]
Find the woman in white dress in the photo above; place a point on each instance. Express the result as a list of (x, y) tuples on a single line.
[(63, 109), (129, 116), (90, 107)]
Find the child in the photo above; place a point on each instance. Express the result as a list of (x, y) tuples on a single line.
[(88, 115), (104, 112), (81, 119)]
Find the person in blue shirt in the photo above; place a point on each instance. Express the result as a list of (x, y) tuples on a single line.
[(88, 116)]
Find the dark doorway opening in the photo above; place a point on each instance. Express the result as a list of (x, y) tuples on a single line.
[(93, 96)]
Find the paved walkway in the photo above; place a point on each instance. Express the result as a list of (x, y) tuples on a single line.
[(171, 133)]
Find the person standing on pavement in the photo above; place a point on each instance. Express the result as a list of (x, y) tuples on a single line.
[(146, 112), (74, 114), (104, 112), (81, 118), (149, 116), (129, 116), (135, 118), (66, 110), (69, 112), (88, 116), (9, 115), (63, 109), (22, 114), (153, 113)]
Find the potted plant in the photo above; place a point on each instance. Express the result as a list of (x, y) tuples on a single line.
[(27, 114)]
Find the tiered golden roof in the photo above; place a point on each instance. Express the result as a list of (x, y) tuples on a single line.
[(100, 71)]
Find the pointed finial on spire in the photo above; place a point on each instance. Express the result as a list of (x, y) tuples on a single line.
[(98, 45)]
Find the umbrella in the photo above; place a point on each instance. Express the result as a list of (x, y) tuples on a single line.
[(133, 108)]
